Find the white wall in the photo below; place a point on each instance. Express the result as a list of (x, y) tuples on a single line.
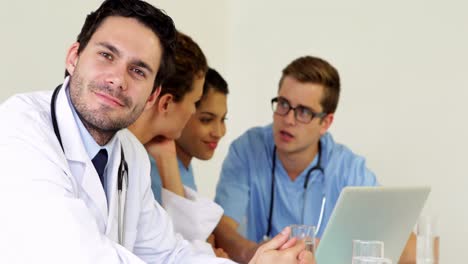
[(404, 87), (35, 37), (402, 65)]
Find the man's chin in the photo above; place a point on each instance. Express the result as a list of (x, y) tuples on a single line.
[(285, 148)]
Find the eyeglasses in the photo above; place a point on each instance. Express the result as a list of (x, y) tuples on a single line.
[(303, 114)]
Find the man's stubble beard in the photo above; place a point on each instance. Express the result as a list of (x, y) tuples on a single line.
[(99, 124)]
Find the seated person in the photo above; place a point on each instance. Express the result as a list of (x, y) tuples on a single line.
[(199, 139), (160, 124), (77, 184), (291, 171)]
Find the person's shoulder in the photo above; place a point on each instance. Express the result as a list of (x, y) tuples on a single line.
[(27, 113), (255, 138), (135, 155), (130, 143), (27, 103), (27, 126), (335, 151), (257, 134), (345, 166)]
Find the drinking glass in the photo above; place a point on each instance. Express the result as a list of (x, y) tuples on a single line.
[(369, 252), (306, 233), (427, 243), (371, 260), (365, 248)]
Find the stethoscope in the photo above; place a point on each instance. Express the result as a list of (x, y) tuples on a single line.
[(122, 184), (318, 166)]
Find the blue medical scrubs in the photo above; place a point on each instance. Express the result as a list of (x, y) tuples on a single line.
[(244, 188), (185, 173)]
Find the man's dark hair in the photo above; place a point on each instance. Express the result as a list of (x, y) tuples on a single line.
[(190, 63), (150, 16), (315, 70), (213, 81)]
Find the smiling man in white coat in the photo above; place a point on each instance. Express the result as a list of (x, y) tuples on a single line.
[(75, 183), (77, 189)]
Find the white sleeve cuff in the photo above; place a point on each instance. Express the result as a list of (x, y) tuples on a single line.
[(193, 216)]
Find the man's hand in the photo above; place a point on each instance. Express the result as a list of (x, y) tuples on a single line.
[(283, 250)]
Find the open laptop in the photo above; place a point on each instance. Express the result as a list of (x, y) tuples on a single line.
[(386, 214)]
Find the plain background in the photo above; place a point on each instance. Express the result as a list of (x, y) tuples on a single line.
[(403, 66)]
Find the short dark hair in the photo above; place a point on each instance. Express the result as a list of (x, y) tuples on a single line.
[(150, 16), (310, 69), (213, 81), (190, 63)]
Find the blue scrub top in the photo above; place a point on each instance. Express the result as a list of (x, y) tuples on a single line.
[(185, 173), (244, 188)]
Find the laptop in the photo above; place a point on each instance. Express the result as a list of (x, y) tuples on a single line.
[(386, 214)]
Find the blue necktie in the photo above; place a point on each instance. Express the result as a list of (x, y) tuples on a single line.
[(99, 162)]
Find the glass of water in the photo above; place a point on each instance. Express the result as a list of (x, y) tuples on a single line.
[(369, 252), (366, 248), (371, 260), (427, 246), (306, 233)]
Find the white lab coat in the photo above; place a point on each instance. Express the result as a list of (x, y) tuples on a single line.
[(194, 216), (54, 209)]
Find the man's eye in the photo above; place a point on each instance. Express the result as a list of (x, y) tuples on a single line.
[(304, 111), (139, 72), (106, 55), (283, 104)]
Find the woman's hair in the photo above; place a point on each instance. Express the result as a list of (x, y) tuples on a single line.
[(213, 81), (190, 63)]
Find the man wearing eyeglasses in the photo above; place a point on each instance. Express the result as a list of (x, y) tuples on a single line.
[(292, 171)]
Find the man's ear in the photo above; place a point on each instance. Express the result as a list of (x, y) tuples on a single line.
[(72, 58), (153, 98), (326, 123)]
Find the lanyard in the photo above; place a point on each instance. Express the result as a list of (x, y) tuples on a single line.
[(122, 183), (306, 182)]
